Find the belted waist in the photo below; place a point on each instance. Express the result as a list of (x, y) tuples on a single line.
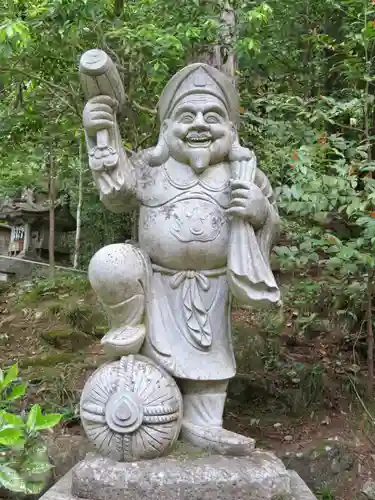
[(195, 284), (189, 273)]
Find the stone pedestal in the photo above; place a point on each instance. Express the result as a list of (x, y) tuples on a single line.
[(260, 476)]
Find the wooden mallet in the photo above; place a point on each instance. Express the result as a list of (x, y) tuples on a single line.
[(99, 76)]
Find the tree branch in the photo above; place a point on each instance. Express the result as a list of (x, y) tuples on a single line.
[(42, 80), (142, 108), (341, 125), (136, 105), (142, 141)]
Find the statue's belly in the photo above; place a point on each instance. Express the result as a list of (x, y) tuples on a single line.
[(185, 234)]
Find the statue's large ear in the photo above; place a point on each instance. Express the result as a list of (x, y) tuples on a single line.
[(238, 152), (165, 125), (234, 132), (160, 153)]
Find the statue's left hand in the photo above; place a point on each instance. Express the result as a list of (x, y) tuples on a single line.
[(248, 202)]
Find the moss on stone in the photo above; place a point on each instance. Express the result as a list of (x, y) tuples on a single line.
[(66, 338), (184, 450), (50, 360), (88, 319)]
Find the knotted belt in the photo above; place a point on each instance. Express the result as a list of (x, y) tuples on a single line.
[(194, 283)]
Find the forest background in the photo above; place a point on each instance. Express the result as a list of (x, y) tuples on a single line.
[(306, 74), (305, 71)]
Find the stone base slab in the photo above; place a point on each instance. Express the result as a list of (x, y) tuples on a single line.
[(260, 476)]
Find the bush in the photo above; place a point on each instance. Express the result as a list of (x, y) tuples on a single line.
[(24, 461), (42, 287)]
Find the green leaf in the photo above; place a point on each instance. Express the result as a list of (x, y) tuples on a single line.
[(34, 487), (10, 435), (33, 414), (11, 480), (37, 448), (11, 375), (47, 421), (37, 467), (37, 422), (12, 419), (335, 262), (17, 392)]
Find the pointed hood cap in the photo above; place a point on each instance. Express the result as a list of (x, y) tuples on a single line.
[(199, 78)]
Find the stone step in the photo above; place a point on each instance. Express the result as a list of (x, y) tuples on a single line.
[(260, 476)]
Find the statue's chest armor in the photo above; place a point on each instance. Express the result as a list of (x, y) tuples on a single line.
[(188, 217), (156, 186), (183, 226)]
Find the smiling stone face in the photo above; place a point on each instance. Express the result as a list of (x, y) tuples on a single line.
[(199, 131), (198, 139)]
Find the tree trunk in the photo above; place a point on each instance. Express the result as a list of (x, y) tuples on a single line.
[(79, 206), (367, 123), (52, 199), (370, 337), (221, 55), (228, 24), (118, 7)]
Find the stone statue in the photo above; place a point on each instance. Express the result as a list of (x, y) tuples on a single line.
[(206, 226), (207, 223)]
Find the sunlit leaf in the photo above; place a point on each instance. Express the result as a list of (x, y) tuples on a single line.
[(10, 376), (47, 421), (12, 419), (10, 435), (17, 391), (11, 480), (34, 413)]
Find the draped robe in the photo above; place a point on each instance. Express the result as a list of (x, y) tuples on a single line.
[(198, 259)]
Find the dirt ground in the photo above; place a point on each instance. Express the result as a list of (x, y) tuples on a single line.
[(53, 334)]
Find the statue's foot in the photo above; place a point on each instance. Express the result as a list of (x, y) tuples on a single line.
[(217, 440), (124, 340)]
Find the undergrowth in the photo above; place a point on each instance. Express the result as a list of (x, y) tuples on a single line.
[(24, 460), (64, 283), (310, 352), (325, 493)]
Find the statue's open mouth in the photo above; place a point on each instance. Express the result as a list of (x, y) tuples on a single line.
[(199, 140)]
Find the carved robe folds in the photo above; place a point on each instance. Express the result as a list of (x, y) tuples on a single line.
[(185, 231)]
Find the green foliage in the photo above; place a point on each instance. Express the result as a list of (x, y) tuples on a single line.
[(325, 493), (307, 81), (36, 421), (23, 458), (10, 388), (310, 384), (65, 282), (312, 125), (41, 98)]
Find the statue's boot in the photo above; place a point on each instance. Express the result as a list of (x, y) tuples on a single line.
[(124, 340), (119, 275), (202, 423)]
